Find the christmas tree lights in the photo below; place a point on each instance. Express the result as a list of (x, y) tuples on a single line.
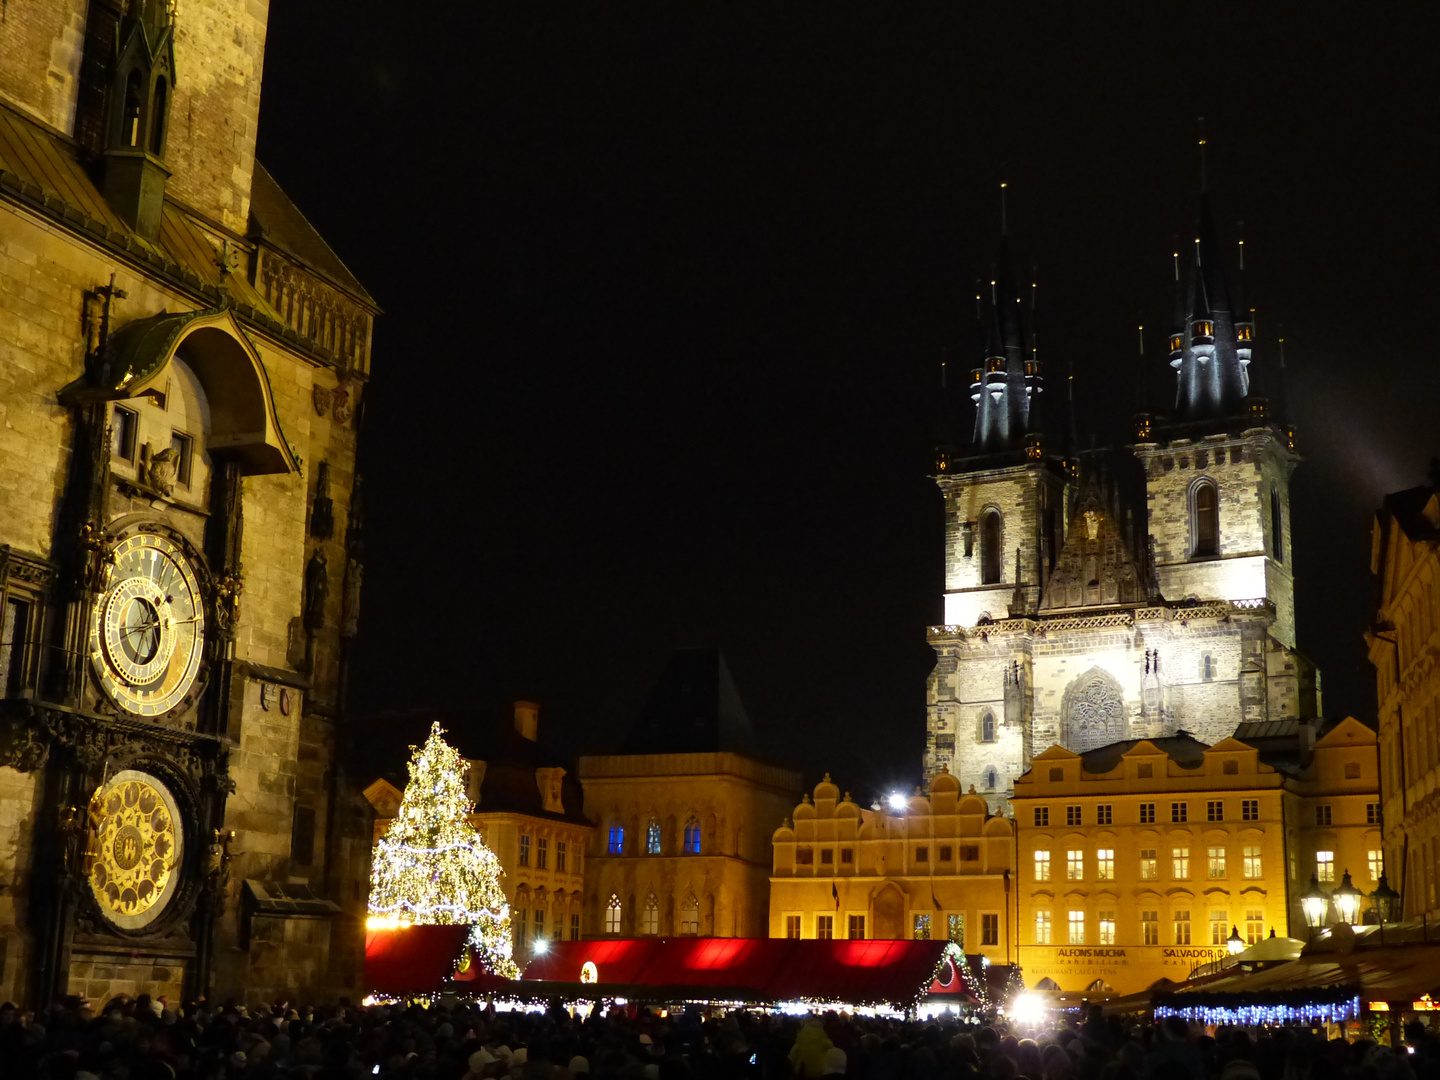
[(432, 868)]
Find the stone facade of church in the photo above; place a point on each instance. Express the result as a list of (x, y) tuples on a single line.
[(181, 360), (1115, 594)]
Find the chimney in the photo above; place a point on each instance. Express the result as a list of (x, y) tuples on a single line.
[(527, 719)]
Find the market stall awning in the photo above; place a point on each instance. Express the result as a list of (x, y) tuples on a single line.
[(756, 969), (1387, 973), (412, 959)]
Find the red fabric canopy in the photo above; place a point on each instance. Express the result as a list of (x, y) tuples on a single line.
[(760, 969), (412, 959)]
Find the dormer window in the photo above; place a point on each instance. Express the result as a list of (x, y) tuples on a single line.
[(1177, 342)]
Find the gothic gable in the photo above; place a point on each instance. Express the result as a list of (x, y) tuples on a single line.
[(1095, 567)]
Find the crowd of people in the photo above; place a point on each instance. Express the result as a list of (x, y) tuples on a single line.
[(147, 1039)]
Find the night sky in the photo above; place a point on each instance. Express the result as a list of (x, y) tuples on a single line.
[(667, 288)]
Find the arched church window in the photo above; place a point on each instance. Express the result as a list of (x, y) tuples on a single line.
[(1205, 520), (652, 838), (987, 727), (990, 548), (1094, 709), (988, 780), (157, 118), (130, 120), (650, 917), (1277, 540), (612, 915), (690, 916), (1207, 667), (692, 836)]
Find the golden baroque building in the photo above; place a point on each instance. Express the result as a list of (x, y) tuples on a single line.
[(1122, 594), (1404, 643), (181, 360), (938, 868), (530, 815), (1139, 859), (684, 812)]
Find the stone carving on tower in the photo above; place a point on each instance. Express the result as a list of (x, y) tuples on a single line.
[(1117, 593)]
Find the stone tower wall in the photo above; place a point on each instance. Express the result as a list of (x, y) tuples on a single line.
[(41, 42)]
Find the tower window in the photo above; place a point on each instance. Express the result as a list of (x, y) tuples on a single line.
[(987, 727), (157, 118), (1277, 540), (1205, 520), (130, 132), (990, 548)]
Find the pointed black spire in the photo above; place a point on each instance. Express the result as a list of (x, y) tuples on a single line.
[(1008, 382), (1204, 346)]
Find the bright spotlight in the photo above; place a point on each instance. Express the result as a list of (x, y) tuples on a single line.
[(1027, 1009), (897, 802), (542, 946)]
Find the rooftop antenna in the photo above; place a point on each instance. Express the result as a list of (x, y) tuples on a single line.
[(1004, 220), (1177, 258), (977, 300), (1204, 186), (1141, 331), (1241, 230)]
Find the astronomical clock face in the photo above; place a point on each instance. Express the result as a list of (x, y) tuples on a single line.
[(149, 627), (137, 849)]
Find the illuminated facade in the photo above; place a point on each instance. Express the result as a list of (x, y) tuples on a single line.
[(1107, 595), (180, 556), (529, 815), (1404, 645), (684, 812), (937, 868), (1138, 860)]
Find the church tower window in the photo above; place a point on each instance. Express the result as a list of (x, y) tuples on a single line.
[(612, 915), (692, 836), (987, 727), (990, 548), (652, 838), (1277, 540), (1204, 520), (157, 120)]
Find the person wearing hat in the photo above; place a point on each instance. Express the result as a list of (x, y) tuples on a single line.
[(578, 1066), (832, 1062)]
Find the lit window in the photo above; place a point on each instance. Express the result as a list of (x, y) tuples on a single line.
[(1218, 931), (1214, 810), (857, 928), (1150, 928), (1216, 858), (1147, 813), (560, 855), (1042, 866), (1075, 865), (792, 926), (1042, 928), (922, 928), (990, 929), (1179, 812), (1252, 861), (524, 850), (612, 915), (650, 917), (1254, 926), (955, 925), (690, 916), (1107, 928), (1042, 815), (1182, 928), (1072, 815), (1325, 867), (1180, 863), (1376, 860), (124, 423), (692, 836), (1077, 928), (824, 927), (617, 840), (1322, 814), (652, 838), (1249, 809), (1104, 814), (1105, 864), (1149, 864)]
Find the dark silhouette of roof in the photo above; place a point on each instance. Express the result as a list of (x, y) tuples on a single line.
[(694, 709), (276, 218), (1185, 750), (1407, 508)]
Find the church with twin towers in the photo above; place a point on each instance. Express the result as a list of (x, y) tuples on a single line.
[(1126, 593)]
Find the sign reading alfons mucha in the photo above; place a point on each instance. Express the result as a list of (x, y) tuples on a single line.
[(148, 630), (137, 848)]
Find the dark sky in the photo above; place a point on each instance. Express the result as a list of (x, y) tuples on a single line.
[(666, 288)]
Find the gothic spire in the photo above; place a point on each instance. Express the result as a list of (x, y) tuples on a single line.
[(1005, 386), (1205, 346)]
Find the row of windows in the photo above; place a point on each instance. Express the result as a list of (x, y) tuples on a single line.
[(1216, 864), (1076, 931), (1179, 813), (541, 850), (689, 843), (650, 915), (805, 856), (529, 926), (921, 927)]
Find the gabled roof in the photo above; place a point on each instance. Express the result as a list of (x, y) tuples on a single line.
[(1348, 732), (275, 219), (1183, 749), (694, 709)]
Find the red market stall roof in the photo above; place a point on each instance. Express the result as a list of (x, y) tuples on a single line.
[(755, 969), (412, 959)]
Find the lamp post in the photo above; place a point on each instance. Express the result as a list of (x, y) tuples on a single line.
[(1314, 902), (1386, 900), (1347, 900), (1233, 942)]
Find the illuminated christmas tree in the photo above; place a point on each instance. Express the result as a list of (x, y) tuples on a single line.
[(431, 867)]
